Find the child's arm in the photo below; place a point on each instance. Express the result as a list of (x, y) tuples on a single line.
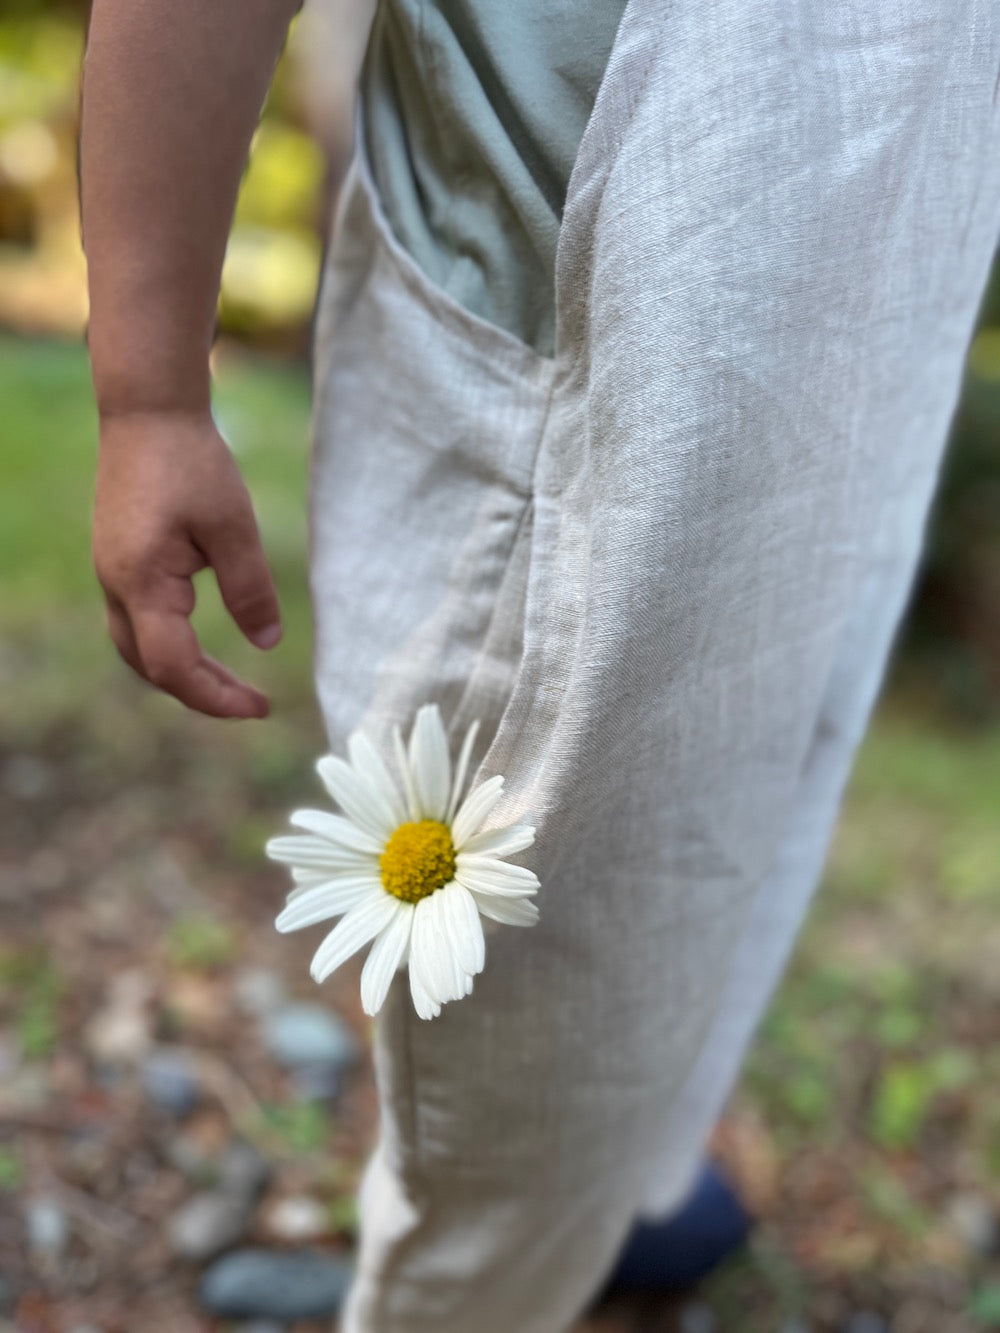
[(172, 91)]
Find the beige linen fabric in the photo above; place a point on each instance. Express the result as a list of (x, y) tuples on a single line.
[(664, 567)]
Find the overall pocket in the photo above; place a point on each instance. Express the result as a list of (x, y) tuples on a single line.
[(426, 424)]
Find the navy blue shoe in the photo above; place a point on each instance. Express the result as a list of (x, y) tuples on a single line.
[(682, 1248)]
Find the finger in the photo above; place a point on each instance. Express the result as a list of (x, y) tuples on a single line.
[(120, 629), (173, 661), (235, 552)]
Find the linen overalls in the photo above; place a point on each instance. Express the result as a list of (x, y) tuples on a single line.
[(664, 567)]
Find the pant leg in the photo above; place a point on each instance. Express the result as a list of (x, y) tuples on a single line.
[(666, 570)]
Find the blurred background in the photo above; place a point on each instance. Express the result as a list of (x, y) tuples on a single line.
[(182, 1116)]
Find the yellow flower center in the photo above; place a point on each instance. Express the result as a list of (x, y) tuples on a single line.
[(418, 858)]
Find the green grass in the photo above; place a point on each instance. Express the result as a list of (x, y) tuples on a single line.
[(56, 653)]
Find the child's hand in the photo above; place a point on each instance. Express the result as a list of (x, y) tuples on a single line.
[(170, 501)]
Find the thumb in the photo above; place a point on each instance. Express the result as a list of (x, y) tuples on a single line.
[(235, 552)]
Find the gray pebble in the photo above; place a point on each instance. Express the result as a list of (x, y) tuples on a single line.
[(258, 1326), (317, 1083), (26, 777), (169, 1081), (258, 992), (297, 1218), (275, 1284), (308, 1034), (697, 1318), (242, 1171), (794, 1325), (974, 1219), (207, 1223), (47, 1225), (8, 1296), (866, 1321)]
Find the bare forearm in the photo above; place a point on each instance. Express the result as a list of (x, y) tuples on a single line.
[(172, 92)]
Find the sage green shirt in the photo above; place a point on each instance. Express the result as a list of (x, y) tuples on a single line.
[(474, 111)]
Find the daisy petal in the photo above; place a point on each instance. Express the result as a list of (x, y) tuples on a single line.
[(354, 796), (425, 1006), (312, 874), (430, 953), (359, 926), (303, 851), (311, 879), (508, 911), (369, 766), (429, 762), (460, 770), (465, 930), (492, 867), (337, 830), (478, 882), (384, 959), (318, 902), (500, 841), (474, 809), (441, 912), (403, 764)]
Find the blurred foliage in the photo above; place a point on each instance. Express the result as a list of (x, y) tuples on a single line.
[(200, 942), (303, 1127), (11, 1171), (955, 637), (272, 263), (985, 1305), (30, 992)]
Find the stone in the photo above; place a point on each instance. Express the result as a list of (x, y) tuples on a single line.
[(317, 1083), (866, 1321), (117, 1036), (208, 1222), (974, 1219), (8, 1296), (242, 1171), (258, 1326), (283, 1285), (307, 1034), (47, 1225), (794, 1325), (26, 777), (198, 1005), (297, 1218), (170, 1081), (258, 992), (697, 1318), (28, 1089), (119, 1033)]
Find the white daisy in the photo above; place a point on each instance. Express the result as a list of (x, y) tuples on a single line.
[(408, 869)]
